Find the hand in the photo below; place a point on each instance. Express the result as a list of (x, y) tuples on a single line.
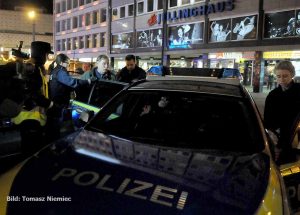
[(92, 80)]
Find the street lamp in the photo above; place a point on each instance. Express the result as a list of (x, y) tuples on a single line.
[(31, 15)]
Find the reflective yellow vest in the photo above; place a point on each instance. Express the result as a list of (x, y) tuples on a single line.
[(37, 113)]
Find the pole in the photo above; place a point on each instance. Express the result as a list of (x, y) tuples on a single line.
[(33, 30)]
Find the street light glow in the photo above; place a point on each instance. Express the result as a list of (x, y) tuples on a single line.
[(31, 14)]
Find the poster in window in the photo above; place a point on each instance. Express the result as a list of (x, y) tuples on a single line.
[(220, 30), (280, 24), (244, 28), (297, 23), (122, 41), (149, 38), (184, 36)]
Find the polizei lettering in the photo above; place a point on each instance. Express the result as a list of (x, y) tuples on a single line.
[(159, 194), (196, 11)]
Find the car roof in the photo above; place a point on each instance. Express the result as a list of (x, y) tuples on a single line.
[(210, 85)]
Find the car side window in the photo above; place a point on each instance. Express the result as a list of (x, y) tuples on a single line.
[(182, 119)]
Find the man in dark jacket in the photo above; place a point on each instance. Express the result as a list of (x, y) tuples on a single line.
[(100, 71), (282, 107), (131, 72)]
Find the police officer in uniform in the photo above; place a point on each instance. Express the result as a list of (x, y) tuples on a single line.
[(32, 118), (61, 84)]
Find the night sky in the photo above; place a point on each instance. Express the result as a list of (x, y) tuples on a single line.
[(47, 5)]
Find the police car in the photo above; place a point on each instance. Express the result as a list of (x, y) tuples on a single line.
[(173, 145)]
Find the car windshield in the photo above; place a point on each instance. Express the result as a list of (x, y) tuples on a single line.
[(183, 120)]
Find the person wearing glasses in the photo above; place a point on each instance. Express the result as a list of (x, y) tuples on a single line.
[(100, 71), (282, 107)]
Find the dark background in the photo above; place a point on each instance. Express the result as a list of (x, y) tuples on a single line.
[(47, 5)]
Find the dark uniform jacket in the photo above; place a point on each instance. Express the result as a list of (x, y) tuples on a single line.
[(281, 110), (61, 84), (125, 76), (109, 75)]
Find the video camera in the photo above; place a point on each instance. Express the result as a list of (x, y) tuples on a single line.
[(18, 53)]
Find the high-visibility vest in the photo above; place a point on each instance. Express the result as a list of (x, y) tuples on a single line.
[(37, 113)]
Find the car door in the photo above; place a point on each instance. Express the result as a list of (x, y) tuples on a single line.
[(291, 171), (90, 99)]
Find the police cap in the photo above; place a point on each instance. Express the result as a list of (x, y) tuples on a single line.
[(40, 48)]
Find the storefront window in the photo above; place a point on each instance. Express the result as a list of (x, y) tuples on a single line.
[(280, 24), (220, 30), (184, 36), (149, 38), (244, 28), (122, 41)]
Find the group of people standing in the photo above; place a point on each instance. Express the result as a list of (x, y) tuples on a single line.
[(41, 117)]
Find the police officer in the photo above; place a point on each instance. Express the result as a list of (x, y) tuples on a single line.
[(61, 84), (32, 118)]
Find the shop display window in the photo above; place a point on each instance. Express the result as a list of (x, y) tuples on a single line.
[(184, 36), (280, 24), (149, 38)]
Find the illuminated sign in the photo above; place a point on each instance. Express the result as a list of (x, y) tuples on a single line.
[(281, 55), (195, 11), (152, 20)]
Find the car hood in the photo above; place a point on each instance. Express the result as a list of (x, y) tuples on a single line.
[(100, 174)]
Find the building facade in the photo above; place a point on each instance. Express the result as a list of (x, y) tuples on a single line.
[(81, 28), (250, 35), (16, 26)]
